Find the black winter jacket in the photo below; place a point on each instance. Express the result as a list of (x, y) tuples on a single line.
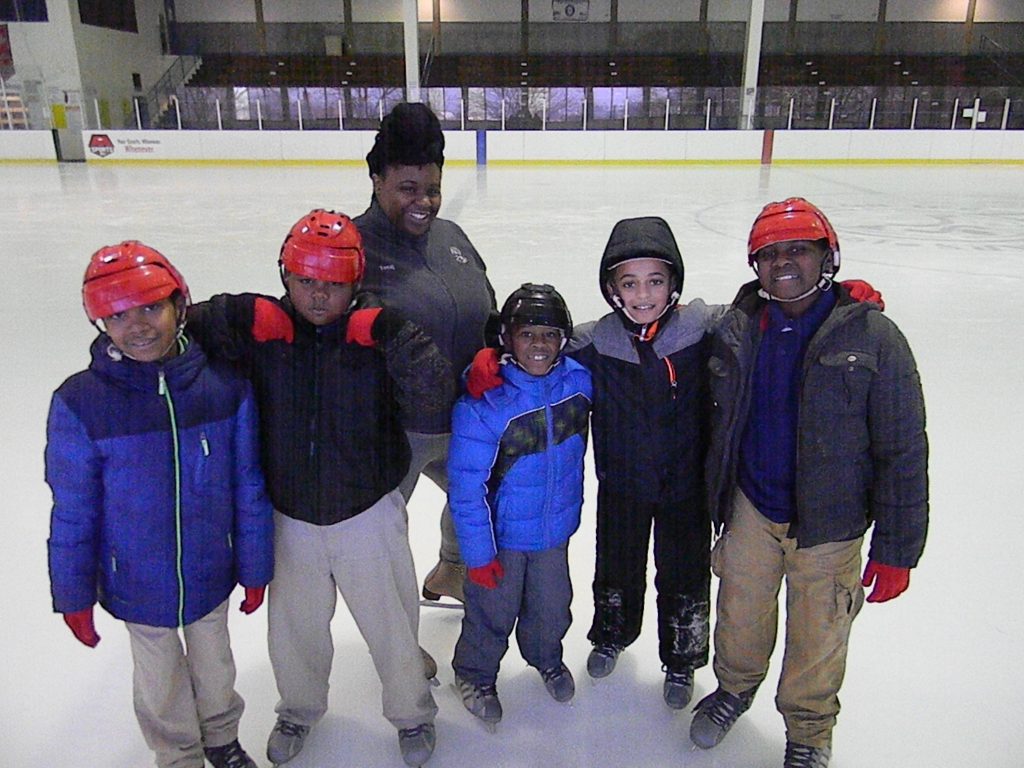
[(862, 451), (332, 441), (651, 403), (439, 282)]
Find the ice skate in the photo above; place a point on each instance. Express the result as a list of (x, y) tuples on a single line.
[(445, 580), (601, 661), (429, 667), (285, 741), (417, 744), (229, 756), (678, 688), (481, 701), (715, 714), (558, 680), (803, 756)]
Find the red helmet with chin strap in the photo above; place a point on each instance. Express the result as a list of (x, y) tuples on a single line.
[(324, 245), (792, 219), (128, 275)]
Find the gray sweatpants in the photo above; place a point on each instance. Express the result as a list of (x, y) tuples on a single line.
[(367, 559), (430, 458), (534, 597), (185, 696)]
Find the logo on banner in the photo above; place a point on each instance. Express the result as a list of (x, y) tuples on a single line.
[(101, 145), (570, 10)]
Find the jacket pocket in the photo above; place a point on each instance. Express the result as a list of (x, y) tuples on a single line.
[(853, 371)]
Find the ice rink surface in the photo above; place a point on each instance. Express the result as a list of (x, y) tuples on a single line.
[(935, 678)]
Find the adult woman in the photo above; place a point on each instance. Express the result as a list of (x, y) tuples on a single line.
[(428, 268)]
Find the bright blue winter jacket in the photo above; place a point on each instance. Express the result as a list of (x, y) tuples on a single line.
[(159, 505), (515, 465)]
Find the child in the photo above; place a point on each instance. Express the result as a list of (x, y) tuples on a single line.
[(649, 362), (159, 505), (331, 383), (648, 359), (515, 489)]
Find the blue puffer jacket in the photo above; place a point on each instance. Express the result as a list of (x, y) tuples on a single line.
[(159, 505), (515, 465)]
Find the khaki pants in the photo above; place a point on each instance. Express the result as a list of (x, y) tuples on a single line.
[(823, 596), (367, 559), (430, 458), (185, 697)]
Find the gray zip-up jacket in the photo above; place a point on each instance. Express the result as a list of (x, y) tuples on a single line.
[(439, 282), (862, 451)]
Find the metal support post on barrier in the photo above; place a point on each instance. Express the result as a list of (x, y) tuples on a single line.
[(831, 113), (220, 120), (956, 109), (625, 115), (177, 111), (462, 114), (667, 112), (871, 120), (341, 117), (584, 113), (789, 120), (138, 114), (707, 115), (503, 114), (543, 115), (974, 114), (380, 110), (913, 115), (298, 110), (1006, 114), (259, 115), (96, 108)]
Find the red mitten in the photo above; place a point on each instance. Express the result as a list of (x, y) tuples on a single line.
[(271, 323), (487, 576), (890, 581), (81, 624), (360, 327), (484, 372), (862, 290), (253, 599)]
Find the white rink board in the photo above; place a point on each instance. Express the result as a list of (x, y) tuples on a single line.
[(27, 145)]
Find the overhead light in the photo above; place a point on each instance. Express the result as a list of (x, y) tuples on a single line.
[(914, 82), (522, 63), (611, 63), (809, 63), (897, 63), (522, 82), (351, 63), (273, 72), (349, 74), (814, 71), (821, 82), (280, 63), (344, 82)]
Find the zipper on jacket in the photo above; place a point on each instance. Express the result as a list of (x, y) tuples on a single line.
[(165, 393), (314, 431), (672, 381)]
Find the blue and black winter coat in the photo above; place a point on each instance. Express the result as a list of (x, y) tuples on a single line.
[(515, 465), (159, 504)]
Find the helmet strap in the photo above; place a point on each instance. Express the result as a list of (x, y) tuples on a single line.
[(824, 283)]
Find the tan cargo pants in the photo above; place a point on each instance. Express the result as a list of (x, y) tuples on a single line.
[(823, 596)]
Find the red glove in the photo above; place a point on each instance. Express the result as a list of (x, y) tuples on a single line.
[(253, 599), (890, 581), (271, 323), (484, 372), (360, 327), (487, 576), (862, 290), (81, 624)]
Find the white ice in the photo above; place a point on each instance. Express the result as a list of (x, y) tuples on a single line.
[(935, 678)]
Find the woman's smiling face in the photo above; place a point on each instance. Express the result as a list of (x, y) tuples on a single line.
[(410, 196)]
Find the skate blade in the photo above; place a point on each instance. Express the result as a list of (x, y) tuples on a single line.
[(452, 605)]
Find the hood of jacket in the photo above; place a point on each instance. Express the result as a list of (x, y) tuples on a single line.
[(646, 237)]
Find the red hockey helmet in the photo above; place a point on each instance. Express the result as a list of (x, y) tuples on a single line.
[(324, 245), (792, 219), (128, 275)]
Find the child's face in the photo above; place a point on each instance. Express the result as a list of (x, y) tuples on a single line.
[(644, 285), (536, 347), (145, 333), (318, 301)]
